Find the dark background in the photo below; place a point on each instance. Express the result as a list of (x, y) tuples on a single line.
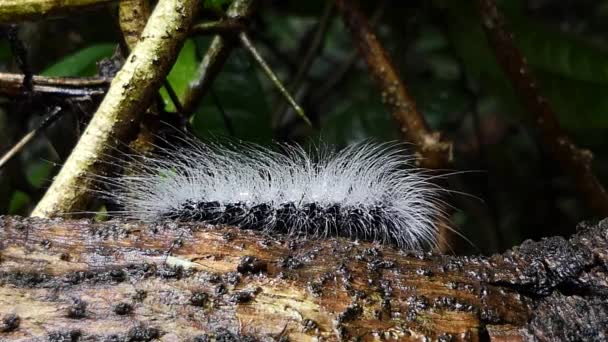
[(516, 191)]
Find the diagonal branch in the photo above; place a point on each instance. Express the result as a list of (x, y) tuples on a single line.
[(224, 26), (244, 38), (119, 113), (217, 54), (434, 151), (574, 161), (314, 47), (13, 151)]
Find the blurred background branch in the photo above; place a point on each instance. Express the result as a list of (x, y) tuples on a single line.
[(574, 161)]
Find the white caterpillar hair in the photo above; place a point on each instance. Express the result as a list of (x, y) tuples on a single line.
[(366, 191)]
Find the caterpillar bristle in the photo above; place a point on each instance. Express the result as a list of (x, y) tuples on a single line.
[(368, 191)]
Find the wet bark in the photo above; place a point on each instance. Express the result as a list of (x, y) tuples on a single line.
[(117, 281)]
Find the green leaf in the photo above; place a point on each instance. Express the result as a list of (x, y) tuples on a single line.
[(478, 60), (560, 53), (571, 75), (216, 4), (181, 74), (82, 62), (579, 105), (38, 173), (5, 51), (19, 202)]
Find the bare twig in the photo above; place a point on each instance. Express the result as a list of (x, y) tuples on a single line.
[(315, 46), (173, 96), (272, 76), (19, 10), (576, 162), (434, 152), (119, 113), (51, 117), (12, 85), (225, 26), (216, 56)]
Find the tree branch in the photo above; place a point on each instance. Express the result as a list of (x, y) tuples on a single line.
[(13, 151), (435, 153), (225, 26), (12, 85), (575, 162), (20, 10), (216, 56), (313, 49), (132, 18), (274, 79), (117, 280), (119, 113)]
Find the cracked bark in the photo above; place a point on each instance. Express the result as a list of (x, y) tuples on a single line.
[(134, 281)]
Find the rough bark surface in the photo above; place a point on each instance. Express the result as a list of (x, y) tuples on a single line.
[(119, 281)]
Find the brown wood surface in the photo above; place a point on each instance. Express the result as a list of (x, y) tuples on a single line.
[(116, 281)]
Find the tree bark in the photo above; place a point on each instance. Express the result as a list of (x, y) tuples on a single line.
[(117, 117), (20, 10), (125, 281)]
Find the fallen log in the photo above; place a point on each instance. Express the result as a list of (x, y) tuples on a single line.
[(80, 280)]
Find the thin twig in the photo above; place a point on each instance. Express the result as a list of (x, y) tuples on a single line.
[(120, 112), (272, 76), (434, 151), (269, 44), (174, 98), (320, 94), (211, 64), (13, 151), (225, 26), (575, 162), (315, 46), (11, 85), (337, 77)]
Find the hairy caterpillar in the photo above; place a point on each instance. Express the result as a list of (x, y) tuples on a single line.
[(367, 191)]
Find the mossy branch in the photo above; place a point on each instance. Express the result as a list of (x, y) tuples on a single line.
[(128, 96)]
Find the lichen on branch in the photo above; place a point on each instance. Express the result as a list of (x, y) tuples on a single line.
[(129, 95)]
